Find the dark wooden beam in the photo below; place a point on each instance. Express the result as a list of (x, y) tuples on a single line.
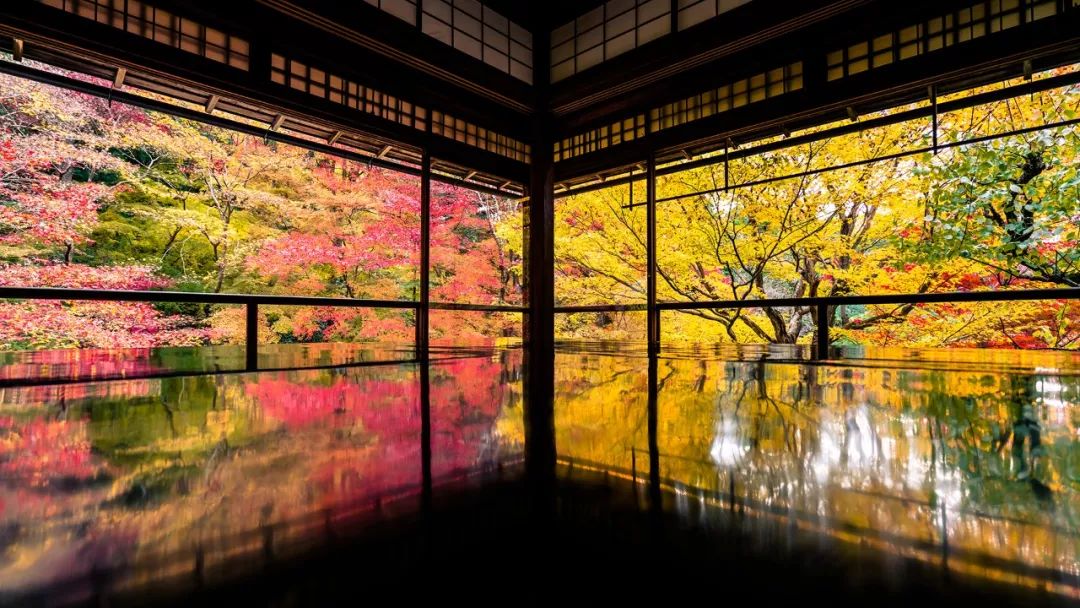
[(631, 74), (553, 13), (1044, 44), (396, 41), (54, 34)]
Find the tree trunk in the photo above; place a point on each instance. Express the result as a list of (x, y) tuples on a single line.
[(220, 277), (172, 239)]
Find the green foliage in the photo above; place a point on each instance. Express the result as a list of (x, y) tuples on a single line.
[(1010, 205)]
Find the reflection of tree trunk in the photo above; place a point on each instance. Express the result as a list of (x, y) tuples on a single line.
[(813, 387), (180, 395)]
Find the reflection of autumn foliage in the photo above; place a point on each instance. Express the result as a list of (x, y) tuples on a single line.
[(201, 461), (65, 393), (468, 397), (82, 364), (40, 452), (156, 467), (600, 414), (344, 401), (380, 415), (950, 452), (50, 474), (387, 459)]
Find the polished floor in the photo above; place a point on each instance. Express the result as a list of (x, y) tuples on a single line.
[(918, 474)]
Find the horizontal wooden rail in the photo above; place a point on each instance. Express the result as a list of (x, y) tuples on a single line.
[(251, 302), (476, 307), (1061, 293), (822, 304), (120, 295), (601, 308)]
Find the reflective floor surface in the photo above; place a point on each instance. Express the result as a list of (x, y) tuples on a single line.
[(154, 478), (64, 365), (966, 460), (885, 469)]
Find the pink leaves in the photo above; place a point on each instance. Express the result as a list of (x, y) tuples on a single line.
[(41, 204), (94, 324), (82, 276), (52, 215), (292, 255), (358, 236), (85, 324), (8, 153)]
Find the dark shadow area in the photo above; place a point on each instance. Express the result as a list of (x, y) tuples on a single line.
[(600, 546)]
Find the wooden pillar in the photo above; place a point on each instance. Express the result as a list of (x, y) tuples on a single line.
[(540, 451), (653, 315), (822, 339), (423, 310), (251, 339)]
